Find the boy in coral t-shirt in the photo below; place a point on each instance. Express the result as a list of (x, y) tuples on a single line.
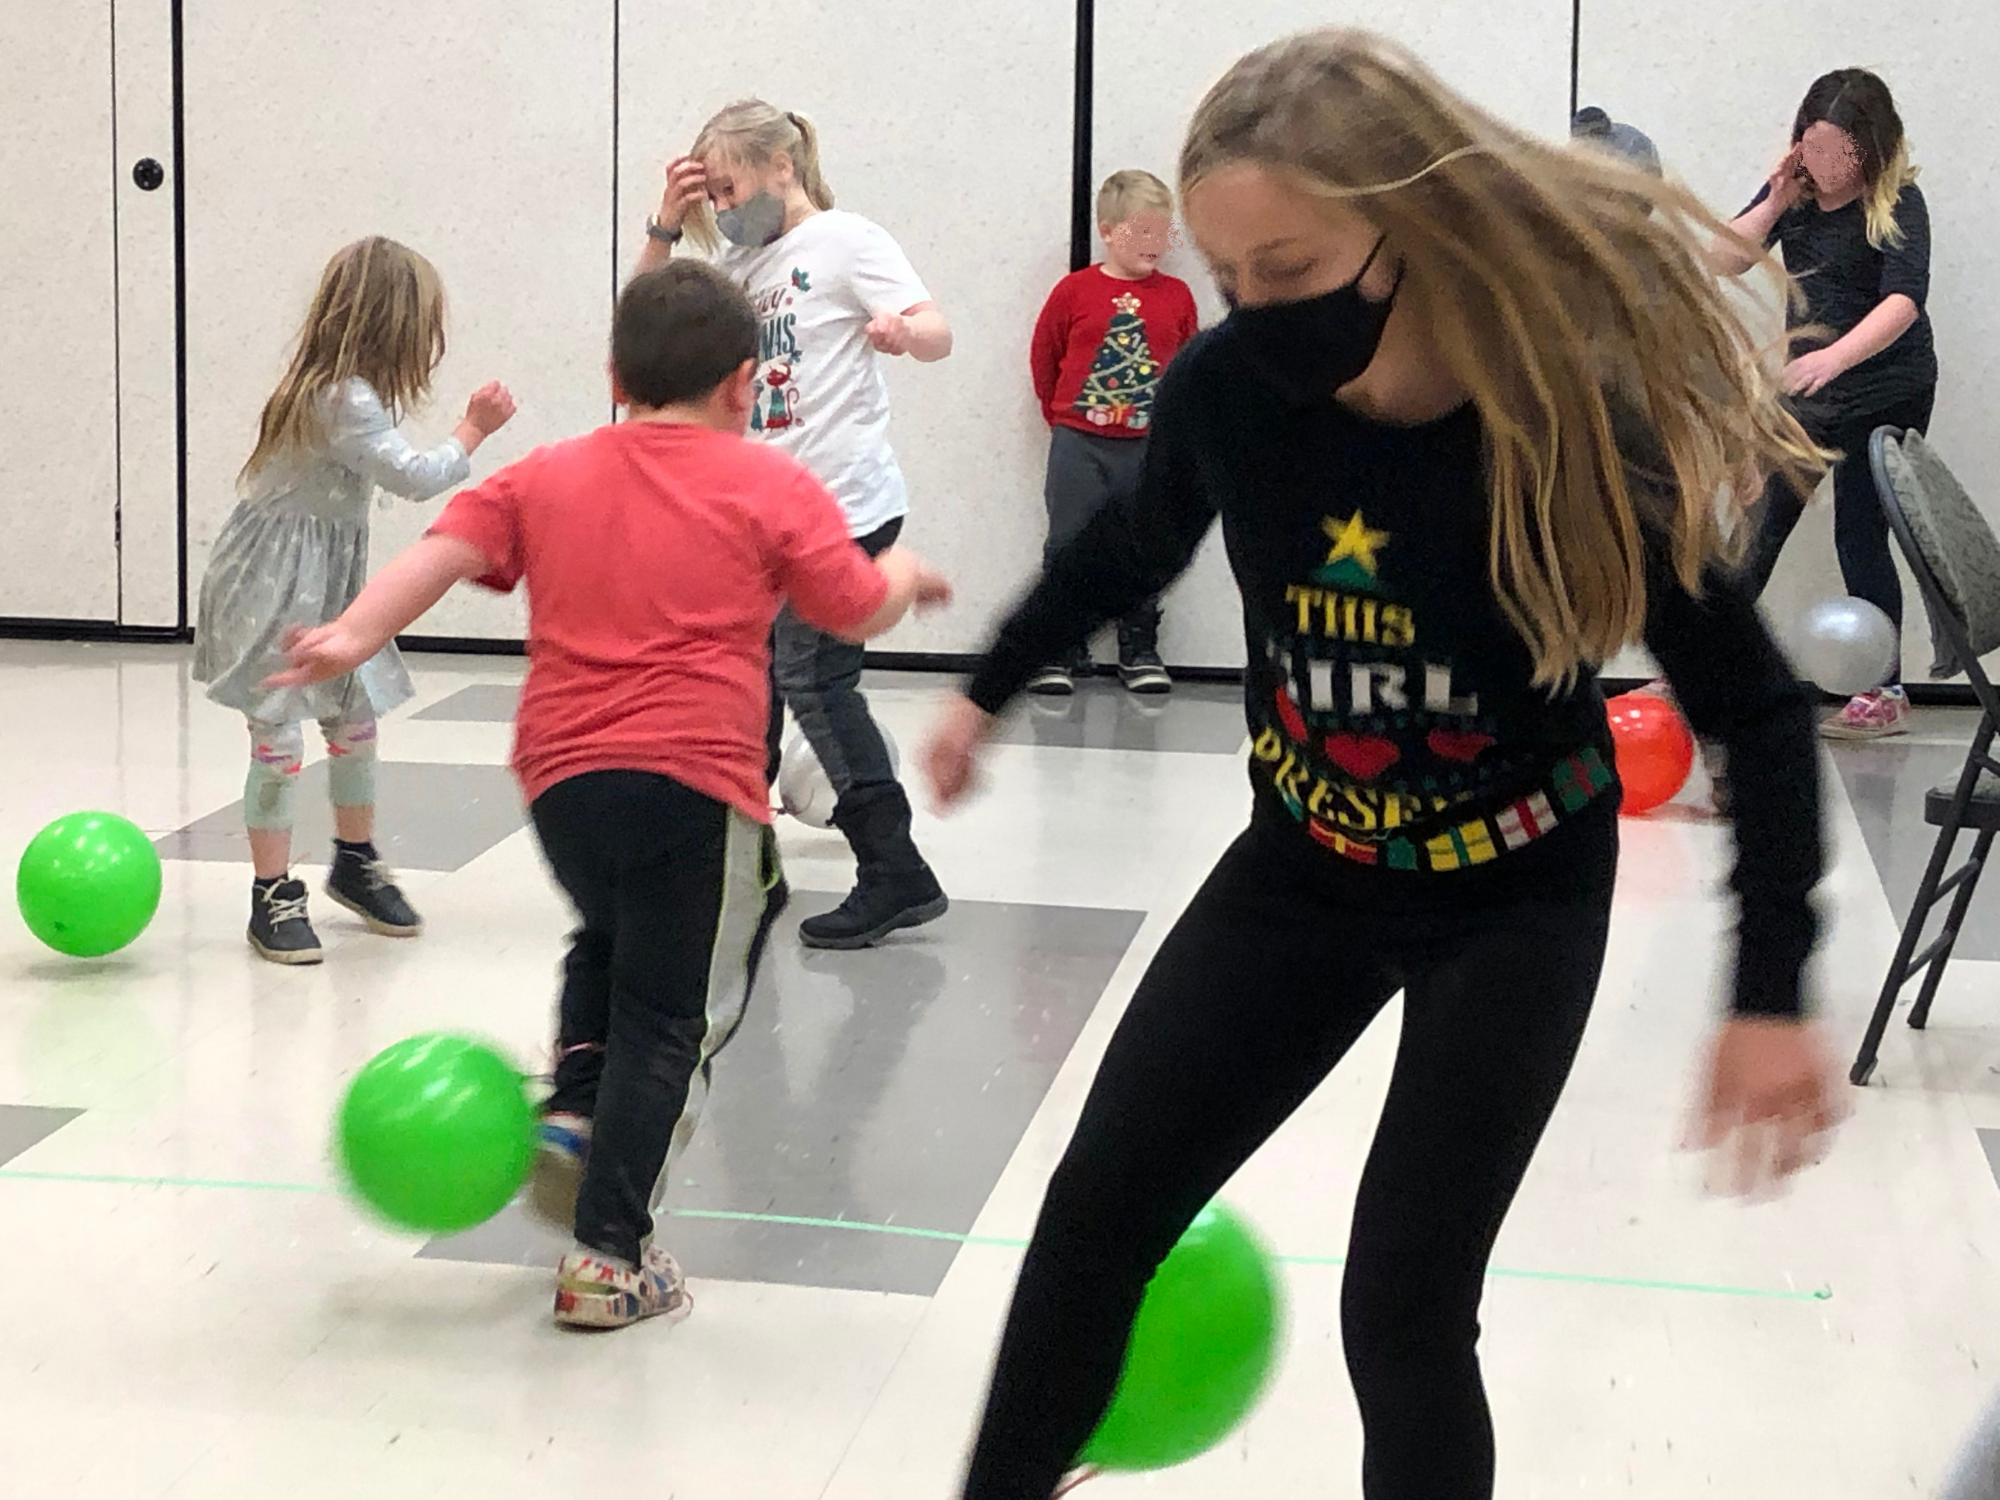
[(1101, 343), (657, 552)]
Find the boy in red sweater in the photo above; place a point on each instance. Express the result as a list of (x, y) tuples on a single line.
[(1101, 343), (657, 552)]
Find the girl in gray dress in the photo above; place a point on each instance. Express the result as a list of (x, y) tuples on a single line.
[(294, 553)]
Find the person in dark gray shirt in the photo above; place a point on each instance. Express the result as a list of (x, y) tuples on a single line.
[(1844, 210)]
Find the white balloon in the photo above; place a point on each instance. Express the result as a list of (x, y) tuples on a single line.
[(804, 791), (1847, 646)]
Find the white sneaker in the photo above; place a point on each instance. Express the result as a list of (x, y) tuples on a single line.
[(601, 1291)]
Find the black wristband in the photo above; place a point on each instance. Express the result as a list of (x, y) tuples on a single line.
[(655, 230)]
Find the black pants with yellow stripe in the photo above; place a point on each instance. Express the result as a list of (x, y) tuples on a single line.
[(675, 895)]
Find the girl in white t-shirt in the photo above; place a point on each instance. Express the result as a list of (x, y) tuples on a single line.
[(833, 293)]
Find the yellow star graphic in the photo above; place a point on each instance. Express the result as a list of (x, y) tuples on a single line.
[(1353, 538)]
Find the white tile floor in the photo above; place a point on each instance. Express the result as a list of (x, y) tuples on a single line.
[(192, 1311)]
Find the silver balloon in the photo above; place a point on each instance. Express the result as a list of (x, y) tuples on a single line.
[(1847, 646)]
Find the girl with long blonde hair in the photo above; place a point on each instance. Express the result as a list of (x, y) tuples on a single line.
[(1844, 209), (1478, 418), (834, 294), (294, 553)]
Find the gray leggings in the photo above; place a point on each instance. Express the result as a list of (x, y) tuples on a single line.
[(276, 752)]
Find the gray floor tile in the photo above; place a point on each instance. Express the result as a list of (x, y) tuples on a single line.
[(1200, 718), (430, 817), (481, 703), (1990, 1139), (1886, 781), (887, 1087), (23, 1125)]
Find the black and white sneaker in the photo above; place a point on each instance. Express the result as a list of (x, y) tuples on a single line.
[(360, 882), (1053, 681), (279, 930), (1144, 672)]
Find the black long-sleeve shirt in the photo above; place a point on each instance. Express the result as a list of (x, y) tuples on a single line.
[(1393, 717)]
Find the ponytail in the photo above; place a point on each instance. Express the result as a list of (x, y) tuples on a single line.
[(805, 162)]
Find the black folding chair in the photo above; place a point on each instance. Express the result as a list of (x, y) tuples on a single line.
[(1973, 800)]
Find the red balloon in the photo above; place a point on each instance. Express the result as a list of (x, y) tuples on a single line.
[(1652, 747)]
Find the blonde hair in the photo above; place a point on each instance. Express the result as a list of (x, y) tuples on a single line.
[(1878, 204), (1130, 192), (1560, 300), (756, 134), (378, 316)]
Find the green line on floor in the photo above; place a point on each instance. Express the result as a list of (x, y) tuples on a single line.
[(947, 1236)]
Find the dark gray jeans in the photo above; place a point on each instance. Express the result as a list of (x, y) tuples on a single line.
[(1085, 472), (819, 676)]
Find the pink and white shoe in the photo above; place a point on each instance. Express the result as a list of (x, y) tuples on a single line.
[(602, 1291), (1870, 716)]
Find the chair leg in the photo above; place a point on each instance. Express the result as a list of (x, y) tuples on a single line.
[(1892, 983), (1920, 1013)]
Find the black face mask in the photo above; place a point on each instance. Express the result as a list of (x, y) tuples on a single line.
[(1310, 348)]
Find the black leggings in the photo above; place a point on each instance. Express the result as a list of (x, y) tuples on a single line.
[(1860, 529), (1259, 991)]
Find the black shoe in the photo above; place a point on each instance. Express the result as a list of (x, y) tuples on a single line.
[(360, 882), (1139, 664), (279, 930), (1052, 682), (1144, 672), (893, 888), (877, 906)]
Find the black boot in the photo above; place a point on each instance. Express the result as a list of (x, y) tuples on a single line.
[(1139, 664), (360, 882), (279, 929), (893, 887)]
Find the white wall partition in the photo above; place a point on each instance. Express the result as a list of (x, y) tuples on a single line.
[(1719, 102), (1155, 59), (58, 361), (950, 126), (480, 136)]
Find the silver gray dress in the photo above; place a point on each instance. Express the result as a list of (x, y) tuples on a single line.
[(294, 552)]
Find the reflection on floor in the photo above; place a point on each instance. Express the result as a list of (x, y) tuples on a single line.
[(199, 1313)]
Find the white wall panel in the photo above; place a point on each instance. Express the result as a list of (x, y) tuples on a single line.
[(1156, 58), (148, 432), (1719, 102), (480, 136), (949, 126), (58, 390)]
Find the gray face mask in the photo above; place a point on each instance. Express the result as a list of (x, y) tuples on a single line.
[(753, 223)]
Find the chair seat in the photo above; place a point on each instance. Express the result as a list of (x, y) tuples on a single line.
[(1982, 812)]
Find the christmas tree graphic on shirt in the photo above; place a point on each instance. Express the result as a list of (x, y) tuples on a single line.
[(1118, 392)]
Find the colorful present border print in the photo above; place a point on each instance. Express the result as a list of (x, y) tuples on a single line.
[(1576, 781)]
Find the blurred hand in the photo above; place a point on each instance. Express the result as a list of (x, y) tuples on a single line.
[(933, 588), (1788, 178), (687, 186), (951, 755), (319, 653), (1770, 1102), (890, 333), (1809, 374), (490, 407)]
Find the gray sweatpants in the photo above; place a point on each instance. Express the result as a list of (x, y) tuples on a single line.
[(1085, 473)]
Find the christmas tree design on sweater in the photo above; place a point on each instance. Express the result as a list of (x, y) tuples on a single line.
[(1118, 392)]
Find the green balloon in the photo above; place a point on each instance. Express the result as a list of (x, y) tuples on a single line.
[(436, 1134), (1202, 1349), (88, 884)]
